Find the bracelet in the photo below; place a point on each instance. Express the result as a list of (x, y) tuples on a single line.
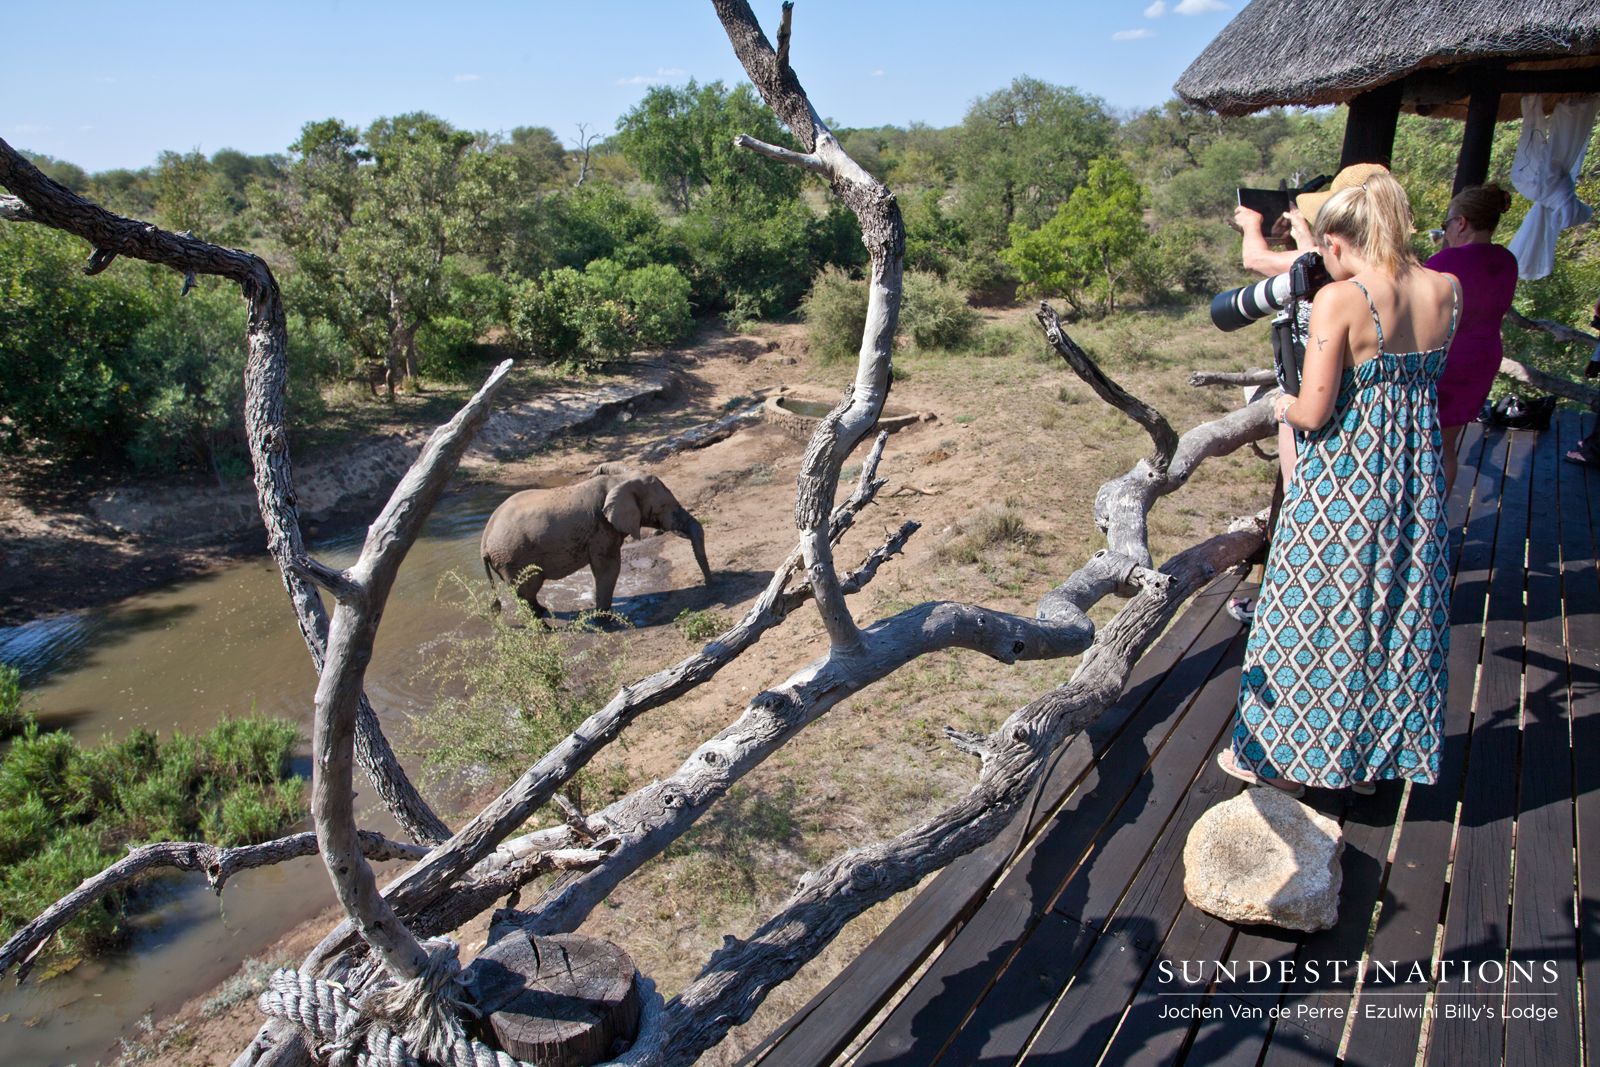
[(1283, 416)]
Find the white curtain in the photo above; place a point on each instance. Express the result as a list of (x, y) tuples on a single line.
[(1549, 156)]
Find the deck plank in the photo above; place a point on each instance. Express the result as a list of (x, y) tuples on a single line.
[(831, 1020), (1319, 995), (917, 1031), (1149, 1035), (1476, 922), (1579, 490), (1138, 856), (1414, 894), (1542, 907)]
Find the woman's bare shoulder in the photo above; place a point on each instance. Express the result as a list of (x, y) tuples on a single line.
[(1338, 296)]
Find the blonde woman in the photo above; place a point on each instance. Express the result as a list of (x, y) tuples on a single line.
[(1345, 672)]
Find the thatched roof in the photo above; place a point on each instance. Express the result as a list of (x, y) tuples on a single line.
[(1280, 52)]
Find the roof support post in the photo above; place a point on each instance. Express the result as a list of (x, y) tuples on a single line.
[(1472, 166), (1369, 128)]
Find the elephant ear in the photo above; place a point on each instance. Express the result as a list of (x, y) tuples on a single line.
[(621, 508)]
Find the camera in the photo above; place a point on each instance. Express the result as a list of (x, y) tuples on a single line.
[(1285, 294), (1238, 308)]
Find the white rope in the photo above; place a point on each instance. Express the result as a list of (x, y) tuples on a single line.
[(348, 1033)]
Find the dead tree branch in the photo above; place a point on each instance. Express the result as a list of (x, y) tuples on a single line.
[(219, 864), (1560, 331), (14, 210), (1549, 383), (266, 379), (1155, 423), (351, 635), (883, 232), (1254, 376)]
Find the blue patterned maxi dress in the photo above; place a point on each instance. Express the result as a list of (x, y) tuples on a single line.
[(1345, 671)]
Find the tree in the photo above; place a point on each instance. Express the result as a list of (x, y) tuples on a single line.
[(370, 218), (1022, 151), (1094, 239), (682, 141)]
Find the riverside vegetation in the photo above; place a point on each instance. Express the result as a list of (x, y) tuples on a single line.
[(67, 811)]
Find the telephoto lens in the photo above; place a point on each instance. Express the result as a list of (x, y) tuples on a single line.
[(1238, 308)]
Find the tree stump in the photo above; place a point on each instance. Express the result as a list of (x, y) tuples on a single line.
[(561, 1001)]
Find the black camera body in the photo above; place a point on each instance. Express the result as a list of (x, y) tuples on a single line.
[(1287, 294)]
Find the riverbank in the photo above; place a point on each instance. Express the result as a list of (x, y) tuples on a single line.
[(72, 539)]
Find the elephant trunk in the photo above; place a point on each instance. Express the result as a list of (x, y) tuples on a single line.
[(697, 538)]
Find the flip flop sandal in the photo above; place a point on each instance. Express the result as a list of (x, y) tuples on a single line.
[(1577, 456), (1232, 770), (1242, 608)]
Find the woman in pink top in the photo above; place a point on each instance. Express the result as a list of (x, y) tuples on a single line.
[(1488, 275)]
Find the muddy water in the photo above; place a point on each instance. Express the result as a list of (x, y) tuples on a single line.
[(184, 656)]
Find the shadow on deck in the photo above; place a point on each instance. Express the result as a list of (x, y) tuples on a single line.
[(1074, 953)]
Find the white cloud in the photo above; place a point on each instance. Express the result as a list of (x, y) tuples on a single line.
[(876, 74), (468, 78), (661, 75), (1156, 10), (1132, 35), (1199, 7), (30, 129)]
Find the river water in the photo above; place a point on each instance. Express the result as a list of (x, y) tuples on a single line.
[(184, 656)]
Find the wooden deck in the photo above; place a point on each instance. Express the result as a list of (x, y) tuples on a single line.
[(1061, 956)]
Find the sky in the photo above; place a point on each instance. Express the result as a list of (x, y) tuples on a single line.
[(112, 84)]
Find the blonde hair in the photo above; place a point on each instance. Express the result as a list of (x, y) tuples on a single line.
[(1375, 217), (1481, 206)]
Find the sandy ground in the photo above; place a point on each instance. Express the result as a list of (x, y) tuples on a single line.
[(1013, 433)]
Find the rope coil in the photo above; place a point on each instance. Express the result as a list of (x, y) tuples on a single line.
[(416, 1023)]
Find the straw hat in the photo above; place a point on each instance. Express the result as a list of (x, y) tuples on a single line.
[(1350, 178)]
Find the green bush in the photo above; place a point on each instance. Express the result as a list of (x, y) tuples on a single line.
[(698, 627), (657, 299), (66, 811), (565, 317), (835, 311), (934, 313), (602, 313), (523, 687)]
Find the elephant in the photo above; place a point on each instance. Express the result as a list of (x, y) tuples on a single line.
[(561, 530)]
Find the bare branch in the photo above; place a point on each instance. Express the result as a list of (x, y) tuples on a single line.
[(804, 160), (470, 899), (219, 864), (651, 818), (883, 232), (1549, 383), (334, 581), (14, 210), (1560, 331), (784, 28), (351, 635), (1255, 376), (1155, 424)]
